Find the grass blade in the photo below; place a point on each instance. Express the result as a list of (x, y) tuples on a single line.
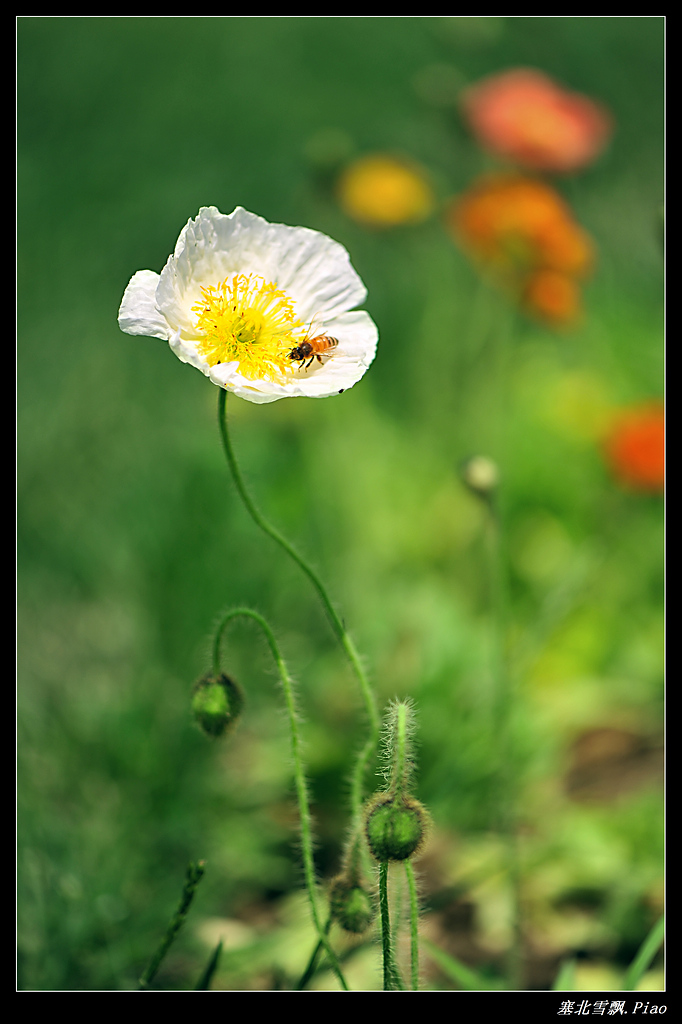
[(204, 982), (647, 951)]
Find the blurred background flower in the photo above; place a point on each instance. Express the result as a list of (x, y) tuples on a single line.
[(515, 225), (522, 231), (635, 447), (553, 297), (383, 191), (522, 115)]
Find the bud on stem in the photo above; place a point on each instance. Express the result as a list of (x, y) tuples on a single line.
[(217, 702), (395, 823)]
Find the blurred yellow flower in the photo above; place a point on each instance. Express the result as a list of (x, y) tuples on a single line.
[(383, 191), (577, 405)]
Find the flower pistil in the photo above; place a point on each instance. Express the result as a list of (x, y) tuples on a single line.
[(249, 321)]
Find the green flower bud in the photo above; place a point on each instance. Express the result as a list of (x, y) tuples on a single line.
[(217, 702), (395, 827), (351, 905), (480, 475)]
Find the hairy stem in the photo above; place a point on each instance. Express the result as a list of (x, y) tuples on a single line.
[(299, 774), (414, 926), (367, 751), (392, 979)]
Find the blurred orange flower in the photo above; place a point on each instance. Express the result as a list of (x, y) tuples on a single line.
[(524, 116), (553, 297), (635, 447), (383, 191), (523, 231), (517, 223)]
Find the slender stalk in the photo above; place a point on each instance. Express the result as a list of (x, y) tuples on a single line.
[(392, 979), (367, 751), (194, 875), (414, 926), (299, 774), (312, 963), (506, 769)]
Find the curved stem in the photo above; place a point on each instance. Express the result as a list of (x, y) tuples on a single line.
[(299, 774), (357, 785)]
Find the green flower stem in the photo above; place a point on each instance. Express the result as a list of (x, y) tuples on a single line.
[(194, 875), (392, 979), (414, 926), (366, 753), (299, 774), (506, 768), (310, 969)]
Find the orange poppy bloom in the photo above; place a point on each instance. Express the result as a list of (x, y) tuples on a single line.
[(524, 116), (635, 447), (518, 225)]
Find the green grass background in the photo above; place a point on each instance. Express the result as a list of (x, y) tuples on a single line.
[(132, 540)]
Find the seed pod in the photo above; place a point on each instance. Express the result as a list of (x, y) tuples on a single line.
[(217, 702)]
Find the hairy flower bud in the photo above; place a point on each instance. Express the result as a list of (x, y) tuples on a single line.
[(351, 905), (395, 827), (217, 702)]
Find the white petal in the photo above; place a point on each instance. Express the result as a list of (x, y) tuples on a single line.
[(188, 352), (310, 267), (138, 313)]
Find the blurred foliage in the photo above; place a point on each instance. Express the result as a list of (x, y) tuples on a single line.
[(131, 538)]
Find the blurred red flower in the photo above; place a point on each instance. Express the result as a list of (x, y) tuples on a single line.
[(635, 447), (524, 116)]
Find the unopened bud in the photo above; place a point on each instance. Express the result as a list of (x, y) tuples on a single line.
[(480, 474), (395, 827), (217, 702), (351, 905)]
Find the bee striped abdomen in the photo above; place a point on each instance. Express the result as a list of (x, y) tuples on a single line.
[(313, 348)]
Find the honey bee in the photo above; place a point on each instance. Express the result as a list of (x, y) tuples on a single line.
[(313, 348)]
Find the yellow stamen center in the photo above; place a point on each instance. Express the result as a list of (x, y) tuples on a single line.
[(250, 321)]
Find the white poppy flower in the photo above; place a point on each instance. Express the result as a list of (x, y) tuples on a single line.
[(264, 310)]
